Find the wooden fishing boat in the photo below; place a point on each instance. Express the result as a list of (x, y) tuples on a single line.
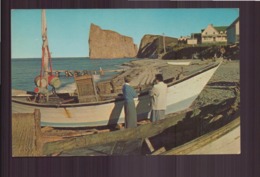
[(181, 94), (92, 107)]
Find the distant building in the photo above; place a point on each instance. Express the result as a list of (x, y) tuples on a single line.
[(233, 32), (183, 39), (194, 39), (214, 34)]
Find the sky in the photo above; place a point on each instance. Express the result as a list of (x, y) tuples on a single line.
[(68, 29)]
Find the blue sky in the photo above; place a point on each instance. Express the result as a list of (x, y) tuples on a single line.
[(68, 29)]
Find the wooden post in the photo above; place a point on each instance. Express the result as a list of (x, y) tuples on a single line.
[(164, 44), (95, 89), (37, 121), (26, 134)]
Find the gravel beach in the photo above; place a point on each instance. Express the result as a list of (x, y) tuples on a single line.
[(222, 84), (220, 87)]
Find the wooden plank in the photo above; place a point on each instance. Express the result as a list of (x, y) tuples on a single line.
[(159, 151), (132, 147), (203, 140), (149, 144), (142, 131), (113, 148)]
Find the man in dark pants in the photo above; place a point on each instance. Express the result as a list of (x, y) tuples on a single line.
[(130, 111)]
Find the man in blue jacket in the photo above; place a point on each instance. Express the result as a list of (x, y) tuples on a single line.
[(130, 111)]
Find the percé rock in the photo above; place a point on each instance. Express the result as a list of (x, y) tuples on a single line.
[(151, 46), (110, 44)]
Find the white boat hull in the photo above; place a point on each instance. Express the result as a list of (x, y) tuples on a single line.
[(180, 96), (184, 63)]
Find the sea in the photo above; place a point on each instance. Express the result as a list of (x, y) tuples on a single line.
[(25, 70)]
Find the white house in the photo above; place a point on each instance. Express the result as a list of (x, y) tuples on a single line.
[(214, 34), (192, 41), (233, 32), (195, 39)]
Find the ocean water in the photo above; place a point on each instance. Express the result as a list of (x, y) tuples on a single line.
[(25, 70)]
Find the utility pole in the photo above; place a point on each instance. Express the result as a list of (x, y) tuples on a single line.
[(193, 39), (164, 43)]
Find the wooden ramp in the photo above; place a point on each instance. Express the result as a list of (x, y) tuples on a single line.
[(140, 132)]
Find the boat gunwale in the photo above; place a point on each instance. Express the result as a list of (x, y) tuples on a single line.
[(207, 68)]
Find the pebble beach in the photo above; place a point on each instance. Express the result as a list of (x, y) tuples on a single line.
[(221, 85)]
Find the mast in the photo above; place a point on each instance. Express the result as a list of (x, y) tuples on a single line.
[(45, 78), (45, 48), (44, 73)]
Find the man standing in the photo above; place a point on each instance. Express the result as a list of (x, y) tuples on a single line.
[(159, 98), (130, 111)]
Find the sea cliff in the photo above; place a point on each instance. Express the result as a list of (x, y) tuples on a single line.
[(110, 44), (152, 46)]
